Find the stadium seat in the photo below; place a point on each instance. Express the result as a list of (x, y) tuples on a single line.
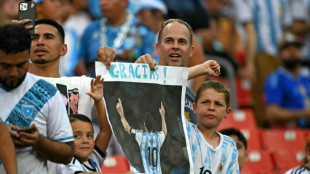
[(242, 118), (244, 96), (258, 161), (244, 121), (277, 139), (115, 164), (287, 159)]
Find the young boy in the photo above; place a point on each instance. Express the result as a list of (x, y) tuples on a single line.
[(212, 152), (89, 153)]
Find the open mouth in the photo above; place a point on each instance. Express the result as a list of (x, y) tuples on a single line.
[(174, 56)]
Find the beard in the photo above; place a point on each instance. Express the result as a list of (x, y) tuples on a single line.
[(42, 61), (7, 83), (292, 64)]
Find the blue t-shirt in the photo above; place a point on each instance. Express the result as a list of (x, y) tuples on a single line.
[(283, 89), (138, 41)]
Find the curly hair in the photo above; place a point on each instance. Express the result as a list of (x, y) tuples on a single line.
[(15, 38)]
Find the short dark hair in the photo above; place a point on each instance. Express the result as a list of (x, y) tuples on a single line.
[(14, 38), (149, 121), (217, 86), (80, 117), (181, 22), (54, 24), (236, 132)]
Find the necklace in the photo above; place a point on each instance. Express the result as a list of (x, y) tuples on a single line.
[(121, 35)]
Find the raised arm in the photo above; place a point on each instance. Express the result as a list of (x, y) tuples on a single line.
[(120, 110), (163, 121), (104, 135), (7, 151), (209, 67)]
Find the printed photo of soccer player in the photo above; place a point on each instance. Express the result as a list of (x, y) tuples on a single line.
[(147, 122), (149, 141)]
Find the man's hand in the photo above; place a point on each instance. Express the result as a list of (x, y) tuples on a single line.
[(13, 129), (96, 88), (146, 58), (24, 21), (23, 139), (212, 68), (106, 55), (209, 67)]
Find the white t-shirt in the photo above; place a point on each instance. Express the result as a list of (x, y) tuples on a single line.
[(94, 163), (221, 160), (73, 90), (35, 101)]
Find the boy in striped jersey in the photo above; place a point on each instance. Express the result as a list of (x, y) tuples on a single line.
[(212, 152), (149, 142)]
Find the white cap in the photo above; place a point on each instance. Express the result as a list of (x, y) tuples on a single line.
[(152, 4)]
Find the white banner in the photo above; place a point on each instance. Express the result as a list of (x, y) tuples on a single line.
[(146, 112)]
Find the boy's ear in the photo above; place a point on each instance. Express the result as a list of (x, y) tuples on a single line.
[(195, 108), (228, 111)]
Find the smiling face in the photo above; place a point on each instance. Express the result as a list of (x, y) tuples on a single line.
[(84, 142), (46, 45), (211, 109), (174, 46)]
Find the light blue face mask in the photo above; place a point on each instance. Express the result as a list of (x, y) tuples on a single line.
[(217, 46)]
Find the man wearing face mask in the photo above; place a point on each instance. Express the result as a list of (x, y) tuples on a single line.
[(287, 90)]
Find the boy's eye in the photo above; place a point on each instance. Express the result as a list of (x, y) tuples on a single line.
[(90, 136), (218, 104), (204, 102), (239, 146), (76, 136)]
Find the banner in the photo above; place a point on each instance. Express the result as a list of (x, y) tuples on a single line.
[(145, 110)]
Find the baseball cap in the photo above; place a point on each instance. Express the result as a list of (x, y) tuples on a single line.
[(37, 1), (152, 4), (288, 40)]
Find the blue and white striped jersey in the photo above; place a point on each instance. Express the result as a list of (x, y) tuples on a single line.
[(150, 144), (301, 12), (300, 170), (220, 160), (270, 18)]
